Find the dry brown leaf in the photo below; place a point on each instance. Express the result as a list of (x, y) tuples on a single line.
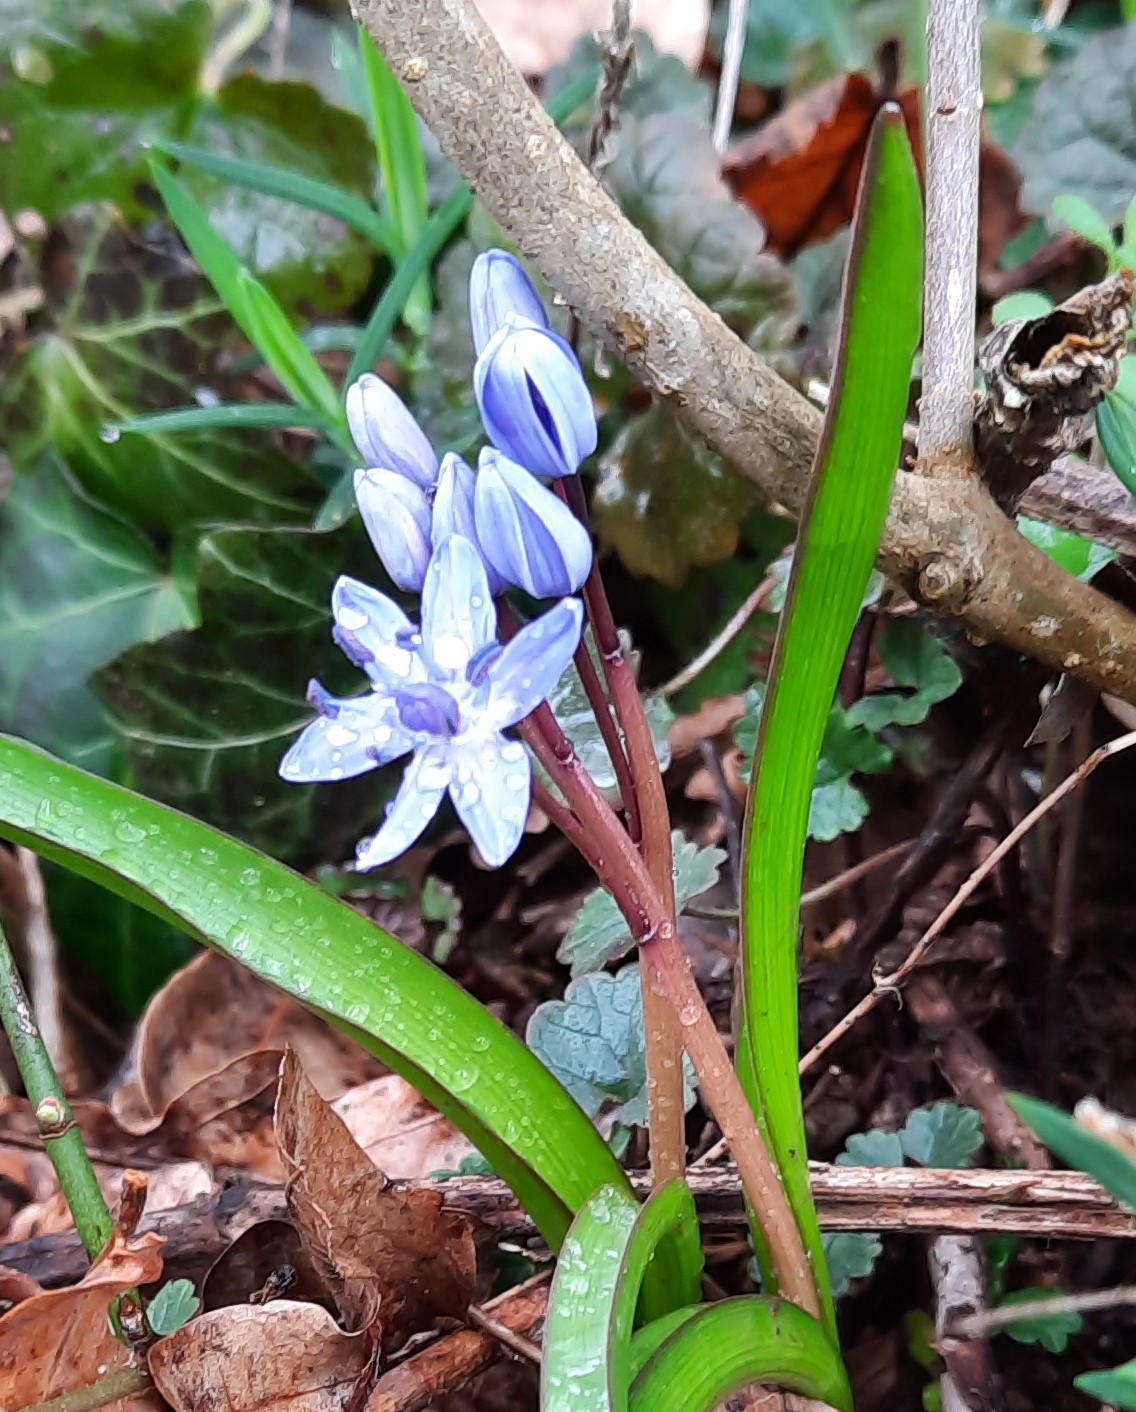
[(60, 1340), (15, 1286), (399, 1131), (282, 1357), (388, 1255), (539, 33), (713, 718), (269, 1256), (213, 1011)]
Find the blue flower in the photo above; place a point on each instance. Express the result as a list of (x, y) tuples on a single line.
[(387, 434), (445, 695), (526, 534), (534, 401), (500, 293), (398, 518)]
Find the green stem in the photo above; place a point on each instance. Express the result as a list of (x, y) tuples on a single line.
[(61, 1137)]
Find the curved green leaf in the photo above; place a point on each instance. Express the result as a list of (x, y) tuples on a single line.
[(840, 530), (226, 415), (599, 1278), (737, 1342), (370, 986)]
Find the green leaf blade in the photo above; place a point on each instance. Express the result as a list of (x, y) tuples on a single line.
[(840, 532), (1079, 1148), (737, 1342), (292, 934), (597, 1289)]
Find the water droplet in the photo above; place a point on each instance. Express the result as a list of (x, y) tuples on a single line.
[(110, 433), (126, 832)]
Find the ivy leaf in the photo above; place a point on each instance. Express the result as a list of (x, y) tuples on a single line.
[(80, 586), (599, 934), (851, 1255), (84, 88), (665, 502), (942, 1135), (1050, 1331), (914, 659), (132, 328), (1079, 139), (206, 715), (310, 261), (574, 714), (592, 1040), (665, 176), (173, 1305), (875, 1148)]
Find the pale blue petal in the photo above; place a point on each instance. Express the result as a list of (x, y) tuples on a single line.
[(532, 663), (458, 619), (534, 401), (374, 632), (410, 811), (350, 736), (527, 535), (397, 517), (491, 786), (386, 433), (453, 511), (501, 292)]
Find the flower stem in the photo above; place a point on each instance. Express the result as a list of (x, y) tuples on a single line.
[(623, 872), (62, 1139), (663, 1050)]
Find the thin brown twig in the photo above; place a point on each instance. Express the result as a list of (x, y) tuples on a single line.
[(1002, 1317), (127, 1383), (721, 639), (523, 1347), (891, 983)]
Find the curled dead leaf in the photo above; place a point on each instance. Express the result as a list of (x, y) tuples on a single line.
[(282, 1357), (60, 1340), (389, 1255)]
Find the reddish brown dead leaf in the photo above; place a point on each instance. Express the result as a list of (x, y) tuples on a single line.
[(399, 1131), (387, 1254), (15, 1286), (212, 1012), (800, 172), (58, 1341), (713, 718), (284, 1357)]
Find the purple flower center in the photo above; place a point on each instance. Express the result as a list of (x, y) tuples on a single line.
[(429, 710)]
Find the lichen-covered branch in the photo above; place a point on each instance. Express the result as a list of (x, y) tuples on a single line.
[(946, 542)]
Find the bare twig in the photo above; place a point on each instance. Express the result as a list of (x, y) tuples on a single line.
[(946, 541), (905, 1200), (43, 964), (987, 1320), (721, 640), (954, 114), (521, 1346), (968, 1379), (128, 1383), (890, 983), (732, 51)]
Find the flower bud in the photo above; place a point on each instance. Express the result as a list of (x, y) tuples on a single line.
[(396, 514), (500, 292), (387, 434), (453, 509), (526, 535), (534, 401)]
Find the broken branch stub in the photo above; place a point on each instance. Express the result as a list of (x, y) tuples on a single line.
[(1044, 378)]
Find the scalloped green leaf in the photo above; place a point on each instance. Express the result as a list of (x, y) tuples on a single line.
[(942, 1135)]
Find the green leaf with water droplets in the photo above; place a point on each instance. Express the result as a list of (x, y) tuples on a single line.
[(380, 993)]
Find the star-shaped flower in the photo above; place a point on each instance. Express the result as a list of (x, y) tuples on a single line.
[(444, 694)]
